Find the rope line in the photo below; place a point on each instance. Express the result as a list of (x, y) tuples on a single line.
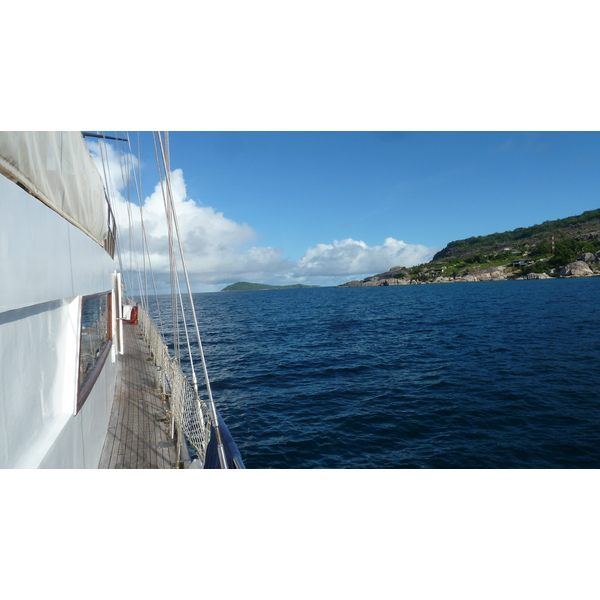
[(221, 450), (195, 418)]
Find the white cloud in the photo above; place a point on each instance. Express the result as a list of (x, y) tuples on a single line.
[(351, 257), (218, 250)]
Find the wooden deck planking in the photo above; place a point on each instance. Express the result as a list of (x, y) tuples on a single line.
[(139, 426)]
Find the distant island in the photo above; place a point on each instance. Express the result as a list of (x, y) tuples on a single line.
[(245, 286), (567, 247)]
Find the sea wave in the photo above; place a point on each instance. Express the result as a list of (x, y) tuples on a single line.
[(480, 375)]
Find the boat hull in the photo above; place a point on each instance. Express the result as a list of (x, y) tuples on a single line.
[(46, 266)]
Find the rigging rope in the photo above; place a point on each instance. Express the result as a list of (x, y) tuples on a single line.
[(211, 402), (172, 257), (181, 410), (126, 169), (109, 193)]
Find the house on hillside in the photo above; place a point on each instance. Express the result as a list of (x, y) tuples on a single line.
[(523, 262)]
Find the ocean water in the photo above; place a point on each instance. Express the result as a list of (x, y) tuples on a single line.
[(474, 375)]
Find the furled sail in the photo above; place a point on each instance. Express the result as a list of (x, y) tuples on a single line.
[(57, 168)]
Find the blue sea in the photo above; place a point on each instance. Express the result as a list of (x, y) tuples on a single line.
[(474, 375)]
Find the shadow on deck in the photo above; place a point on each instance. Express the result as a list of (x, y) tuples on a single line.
[(138, 431)]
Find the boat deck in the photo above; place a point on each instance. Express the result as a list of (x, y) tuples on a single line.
[(138, 430)]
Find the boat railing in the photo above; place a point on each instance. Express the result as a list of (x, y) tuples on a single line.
[(190, 414)]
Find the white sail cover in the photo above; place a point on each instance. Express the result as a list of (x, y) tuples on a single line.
[(57, 168)]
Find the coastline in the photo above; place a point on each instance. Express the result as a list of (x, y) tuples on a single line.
[(587, 266)]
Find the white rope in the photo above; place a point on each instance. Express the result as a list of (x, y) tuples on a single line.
[(126, 169), (145, 240), (172, 257), (109, 193), (138, 186), (221, 450), (194, 418), (145, 247)]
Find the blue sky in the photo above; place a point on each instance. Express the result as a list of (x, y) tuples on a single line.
[(298, 189), (318, 207)]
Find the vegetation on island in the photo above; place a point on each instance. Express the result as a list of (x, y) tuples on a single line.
[(245, 286), (526, 249), (560, 228), (543, 249)]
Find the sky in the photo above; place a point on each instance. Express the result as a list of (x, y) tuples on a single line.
[(323, 208)]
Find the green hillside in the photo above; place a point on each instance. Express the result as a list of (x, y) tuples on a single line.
[(562, 229), (522, 252), (245, 286), (572, 237)]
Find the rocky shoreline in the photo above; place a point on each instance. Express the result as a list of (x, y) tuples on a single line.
[(587, 266)]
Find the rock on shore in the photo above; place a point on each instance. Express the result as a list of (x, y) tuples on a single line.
[(587, 266), (579, 268)]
